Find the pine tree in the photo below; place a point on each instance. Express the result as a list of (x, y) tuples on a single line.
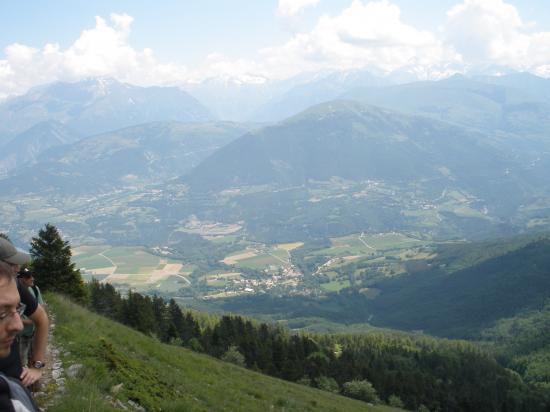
[(52, 265)]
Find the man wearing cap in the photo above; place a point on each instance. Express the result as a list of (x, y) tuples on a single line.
[(26, 277), (13, 397), (11, 365)]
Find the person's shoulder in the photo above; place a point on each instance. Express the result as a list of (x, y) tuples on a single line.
[(15, 397), (27, 299)]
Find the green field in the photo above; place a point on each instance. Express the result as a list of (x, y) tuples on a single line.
[(92, 262), (368, 244), (266, 257), (170, 284), (335, 286), (259, 262), (126, 259)]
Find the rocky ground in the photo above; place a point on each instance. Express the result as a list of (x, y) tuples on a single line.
[(52, 383)]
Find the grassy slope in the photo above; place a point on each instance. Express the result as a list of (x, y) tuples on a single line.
[(166, 377)]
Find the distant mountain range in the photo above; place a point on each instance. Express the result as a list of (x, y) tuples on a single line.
[(148, 153), (315, 91), (485, 138), (98, 105), (508, 104)]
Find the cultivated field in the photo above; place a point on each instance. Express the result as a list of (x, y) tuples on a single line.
[(132, 267)]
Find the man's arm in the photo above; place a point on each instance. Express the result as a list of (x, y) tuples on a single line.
[(40, 341)]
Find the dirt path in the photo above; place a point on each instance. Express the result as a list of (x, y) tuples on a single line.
[(52, 383), (365, 243), (106, 257)]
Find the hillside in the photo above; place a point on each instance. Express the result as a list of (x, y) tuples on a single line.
[(356, 142), (159, 376), (26, 147), (513, 104), (460, 290), (466, 300), (522, 343), (146, 153)]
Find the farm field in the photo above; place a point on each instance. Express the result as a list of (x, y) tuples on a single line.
[(335, 285), (255, 267), (369, 245), (131, 267), (369, 256), (262, 257)]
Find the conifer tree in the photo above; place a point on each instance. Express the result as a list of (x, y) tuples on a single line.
[(52, 264)]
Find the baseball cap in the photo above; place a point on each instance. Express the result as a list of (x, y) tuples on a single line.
[(9, 254), (25, 273)]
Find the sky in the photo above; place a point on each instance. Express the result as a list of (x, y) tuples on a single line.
[(181, 42)]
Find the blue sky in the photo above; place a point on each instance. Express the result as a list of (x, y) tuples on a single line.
[(174, 42)]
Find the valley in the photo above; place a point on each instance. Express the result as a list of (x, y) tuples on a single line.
[(352, 198)]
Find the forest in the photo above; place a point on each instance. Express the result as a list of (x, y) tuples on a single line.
[(415, 372)]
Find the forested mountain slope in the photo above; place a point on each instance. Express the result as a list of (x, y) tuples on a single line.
[(396, 368), (469, 299), (168, 378), (354, 141)]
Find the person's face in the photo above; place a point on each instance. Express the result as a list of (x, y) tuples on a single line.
[(27, 280), (10, 321)]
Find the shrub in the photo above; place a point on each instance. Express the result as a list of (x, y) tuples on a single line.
[(395, 401), (234, 356), (362, 390), (327, 384)]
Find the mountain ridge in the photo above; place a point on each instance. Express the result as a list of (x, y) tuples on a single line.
[(352, 141), (98, 105), (146, 153)]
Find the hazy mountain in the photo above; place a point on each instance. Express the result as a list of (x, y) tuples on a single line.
[(25, 148), (490, 105), (316, 90), (536, 87), (233, 99), (356, 142), (98, 105), (147, 153), (238, 98)]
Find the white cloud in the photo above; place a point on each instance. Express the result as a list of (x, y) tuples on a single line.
[(491, 32), (101, 51), (368, 35), (290, 8)]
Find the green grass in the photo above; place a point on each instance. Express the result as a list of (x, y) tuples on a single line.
[(335, 286), (259, 262), (167, 378), (127, 259), (383, 244), (92, 262), (217, 283)]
